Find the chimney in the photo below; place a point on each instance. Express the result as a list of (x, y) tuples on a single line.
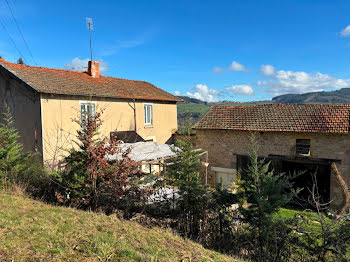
[(93, 69)]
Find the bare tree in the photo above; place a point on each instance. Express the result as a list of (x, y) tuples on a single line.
[(346, 193)]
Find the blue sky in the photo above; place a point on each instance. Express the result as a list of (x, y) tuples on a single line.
[(213, 50)]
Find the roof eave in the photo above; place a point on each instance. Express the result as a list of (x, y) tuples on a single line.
[(16, 77), (262, 130), (115, 97)]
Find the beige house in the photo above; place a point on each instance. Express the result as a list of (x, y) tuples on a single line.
[(45, 101), (294, 137)]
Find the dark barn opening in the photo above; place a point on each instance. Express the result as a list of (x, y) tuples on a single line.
[(289, 165), (305, 180)]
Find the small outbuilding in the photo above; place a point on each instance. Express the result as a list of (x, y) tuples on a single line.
[(295, 137)]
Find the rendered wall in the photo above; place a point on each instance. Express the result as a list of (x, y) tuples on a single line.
[(60, 131)]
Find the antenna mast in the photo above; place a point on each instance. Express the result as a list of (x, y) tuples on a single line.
[(90, 26)]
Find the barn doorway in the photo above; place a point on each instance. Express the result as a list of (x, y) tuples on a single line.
[(289, 165), (305, 181)]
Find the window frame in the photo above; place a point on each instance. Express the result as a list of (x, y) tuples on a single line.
[(86, 104), (149, 105), (302, 142)]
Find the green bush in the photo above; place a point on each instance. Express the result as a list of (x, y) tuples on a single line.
[(13, 161), (17, 167), (90, 180)]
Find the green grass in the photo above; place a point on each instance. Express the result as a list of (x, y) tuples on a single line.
[(313, 225), (202, 108), (197, 111), (33, 231), (290, 213), (192, 108)]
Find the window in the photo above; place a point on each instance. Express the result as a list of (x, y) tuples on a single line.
[(302, 147), (224, 176), (148, 108), (87, 110)]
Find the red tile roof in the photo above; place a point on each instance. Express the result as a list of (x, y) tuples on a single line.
[(310, 118), (68, 82)]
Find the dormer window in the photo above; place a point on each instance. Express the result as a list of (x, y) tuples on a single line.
[(302, 147)]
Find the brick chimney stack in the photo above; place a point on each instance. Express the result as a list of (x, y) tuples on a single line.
[(93, 69)]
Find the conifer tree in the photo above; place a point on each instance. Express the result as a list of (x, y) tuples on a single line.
[(262, 193), (12, 159), (20, 61), (185, 175)]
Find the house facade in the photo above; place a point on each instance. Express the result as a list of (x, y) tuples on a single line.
[(44, 103), (294, 137)]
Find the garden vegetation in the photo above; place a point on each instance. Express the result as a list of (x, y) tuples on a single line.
[(247, 221)]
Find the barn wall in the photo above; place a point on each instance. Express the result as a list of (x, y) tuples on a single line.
[(223, 147)]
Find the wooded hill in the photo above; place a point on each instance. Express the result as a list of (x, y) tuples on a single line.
[(332, 97), (194, 109)]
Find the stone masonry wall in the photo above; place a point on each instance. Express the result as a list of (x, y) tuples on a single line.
[(223, 146)]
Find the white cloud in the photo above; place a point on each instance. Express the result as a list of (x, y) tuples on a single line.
[(289, 82), (119, 45), (122, 44), (202, 92), (241, 89), (177, 93), (235, 66), (267, 70), (78, 64), (346, 31), (218, 70)]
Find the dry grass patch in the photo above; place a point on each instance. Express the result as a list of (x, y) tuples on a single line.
[(33, 231)]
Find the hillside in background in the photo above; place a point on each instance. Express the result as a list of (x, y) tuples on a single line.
[(193, 109), (191, 100), (332, 97), (33, 231)]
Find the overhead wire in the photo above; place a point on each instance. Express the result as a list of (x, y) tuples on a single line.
[(20, 31), (13, 42)]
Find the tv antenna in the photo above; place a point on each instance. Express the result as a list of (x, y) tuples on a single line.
[(90, 26)]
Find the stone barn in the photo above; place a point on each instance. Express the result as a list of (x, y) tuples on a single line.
[(295, 137)]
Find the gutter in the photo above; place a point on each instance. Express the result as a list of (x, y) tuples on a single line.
[(134, 109)]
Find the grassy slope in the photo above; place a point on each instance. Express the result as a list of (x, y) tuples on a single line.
[(192, 108), (197, 111), (202, 108), (33, 231)]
